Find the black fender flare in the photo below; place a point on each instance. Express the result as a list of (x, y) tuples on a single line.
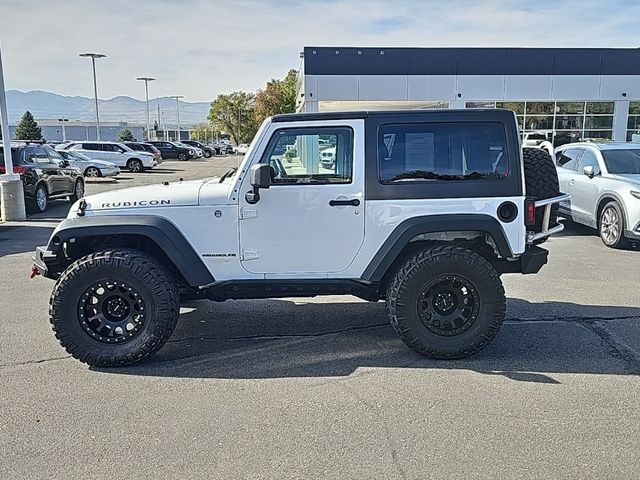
[(408, 229), (159, 229)]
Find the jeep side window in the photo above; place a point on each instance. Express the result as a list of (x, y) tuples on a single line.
[(311, 155), (436, 151)]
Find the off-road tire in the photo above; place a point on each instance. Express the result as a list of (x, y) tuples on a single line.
[(148, 276), (620, 241), (135, 166), (541, 181), (426, 266)]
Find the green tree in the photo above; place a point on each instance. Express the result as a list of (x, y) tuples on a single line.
[(28, 128), (279, 96), (203, 132), (235, 114), (125, 135)]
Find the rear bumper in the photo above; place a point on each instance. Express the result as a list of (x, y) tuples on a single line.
[(531, 261)]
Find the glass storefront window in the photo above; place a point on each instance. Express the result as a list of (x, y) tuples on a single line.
[(598, 122), (600, 107), (634, 122), (570, 107), (634, 108), (538, 122), (566, 122), (598, 134), (537, 108), (480, 104), (517, 107)]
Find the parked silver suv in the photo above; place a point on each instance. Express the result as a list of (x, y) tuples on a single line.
[(603, 180)]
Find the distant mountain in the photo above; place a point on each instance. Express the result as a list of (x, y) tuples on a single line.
[(47, 105)]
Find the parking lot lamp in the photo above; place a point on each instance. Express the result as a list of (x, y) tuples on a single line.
[(11, 188), (146, 89), (93, 57), (64, 131), (178, 97)]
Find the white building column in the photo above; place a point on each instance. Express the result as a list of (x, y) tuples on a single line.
[(620, 119)]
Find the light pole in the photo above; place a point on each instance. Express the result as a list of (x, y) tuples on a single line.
[(146, 89), (178, 97), (64, 131), (11, 188), (95, 86)]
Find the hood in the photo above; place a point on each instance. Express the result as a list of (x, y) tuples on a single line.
[(627, 177), (173, 194)]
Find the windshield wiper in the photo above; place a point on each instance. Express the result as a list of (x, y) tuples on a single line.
[(229, 172)]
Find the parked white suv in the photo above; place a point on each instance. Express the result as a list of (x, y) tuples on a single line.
[(117, 153), (603, 180)]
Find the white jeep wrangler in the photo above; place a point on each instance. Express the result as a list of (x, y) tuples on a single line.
[(424, 209)]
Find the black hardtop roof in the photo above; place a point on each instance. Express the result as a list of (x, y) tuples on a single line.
[(413, 113)]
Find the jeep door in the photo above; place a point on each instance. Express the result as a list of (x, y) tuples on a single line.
[(310, 221)]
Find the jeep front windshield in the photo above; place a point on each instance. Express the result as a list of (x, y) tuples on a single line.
[(622, 161)]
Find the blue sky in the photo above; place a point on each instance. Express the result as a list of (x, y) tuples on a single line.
[(200, 48)]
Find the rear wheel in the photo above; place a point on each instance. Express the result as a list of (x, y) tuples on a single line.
[(114, 307), (135, 166), (541, 181), (182, 156), (207, 154), (40, 201), (611, 226), (447, 302)]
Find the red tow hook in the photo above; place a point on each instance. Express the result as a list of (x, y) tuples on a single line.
[(34, 271)]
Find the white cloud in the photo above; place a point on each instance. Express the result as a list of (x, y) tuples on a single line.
[(201, 48)]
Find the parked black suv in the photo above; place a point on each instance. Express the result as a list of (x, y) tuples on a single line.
[(145, 147), (208, 151), (171, 150), (45, 174)]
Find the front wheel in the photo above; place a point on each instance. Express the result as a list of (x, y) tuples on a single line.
[(182, 156), (114, 307), (92, 172), (446, 302), (135, 166), (207, 154), (611, 226)]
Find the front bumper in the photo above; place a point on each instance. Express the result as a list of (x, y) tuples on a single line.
[(46, 263)]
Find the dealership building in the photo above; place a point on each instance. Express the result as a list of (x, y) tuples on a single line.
[(568, 93)]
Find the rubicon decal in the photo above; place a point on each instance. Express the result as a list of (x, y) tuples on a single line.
[(139, 203)]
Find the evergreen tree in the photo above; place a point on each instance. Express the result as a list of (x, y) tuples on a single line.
[(28, 128), (125, 135)]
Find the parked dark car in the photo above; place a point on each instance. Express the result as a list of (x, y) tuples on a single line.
[(208, 151), (45, 174), (145, 147), (171, 150)]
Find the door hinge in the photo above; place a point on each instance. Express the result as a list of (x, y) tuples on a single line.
[(249, 255), (248, 213)]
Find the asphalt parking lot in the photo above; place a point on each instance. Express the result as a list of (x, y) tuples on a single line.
[(321, 388)]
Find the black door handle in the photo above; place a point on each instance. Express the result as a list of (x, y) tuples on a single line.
[(340, 203)]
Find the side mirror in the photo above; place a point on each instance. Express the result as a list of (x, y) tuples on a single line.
[(259, 177), (589, 171)]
